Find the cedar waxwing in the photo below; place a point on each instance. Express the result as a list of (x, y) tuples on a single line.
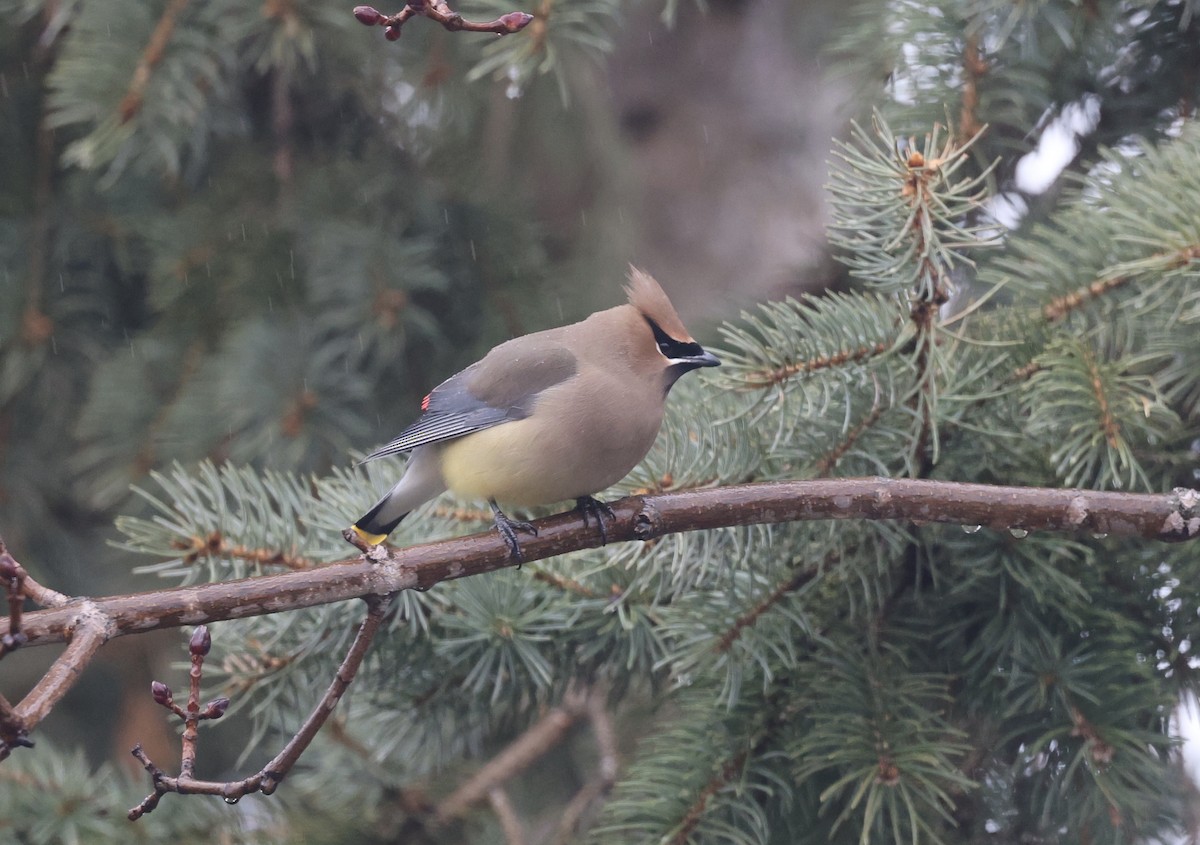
[(555, 415)]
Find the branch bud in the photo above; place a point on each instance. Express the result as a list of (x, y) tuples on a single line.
[(161, 692), (8, 566), (368, 15), (215, 709), (201, 642), (515, 21), (391, 33)]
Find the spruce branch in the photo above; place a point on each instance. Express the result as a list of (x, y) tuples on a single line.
[(769, 378), (1163, 262), (1061, 306), (151, 57), (533, 743), (267, 779), (795, 340), (214, 545), (566, 584), (747, 620), (830, 459), (606, 768), (729, 771), (439, 11), (1171, 517)]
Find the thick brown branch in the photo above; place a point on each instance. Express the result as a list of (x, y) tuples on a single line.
[(1171, 517)]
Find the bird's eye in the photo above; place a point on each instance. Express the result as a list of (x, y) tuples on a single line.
[(670, 347)]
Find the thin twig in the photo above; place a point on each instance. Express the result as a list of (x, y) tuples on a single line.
[(438, 10), (535, 741), (272, 774), (13, 732), (12, 576), (89, 633), (607, 768), (510, 823), (156, 48), (1170, 517), (974, 68)]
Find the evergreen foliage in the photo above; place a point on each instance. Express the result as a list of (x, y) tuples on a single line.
[(825, 683)]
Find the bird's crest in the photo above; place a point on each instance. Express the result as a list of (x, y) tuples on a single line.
[(648, 297)]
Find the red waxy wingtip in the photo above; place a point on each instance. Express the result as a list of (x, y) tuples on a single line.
[(425, 402)]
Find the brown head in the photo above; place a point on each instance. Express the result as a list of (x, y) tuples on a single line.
[(677, 351)]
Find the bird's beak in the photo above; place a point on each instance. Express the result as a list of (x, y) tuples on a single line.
[(704, 359)]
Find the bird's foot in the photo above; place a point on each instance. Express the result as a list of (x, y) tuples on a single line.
[(588, 506), (508, 529)]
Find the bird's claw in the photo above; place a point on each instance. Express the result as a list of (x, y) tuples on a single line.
[(508, 528), (588, 506)]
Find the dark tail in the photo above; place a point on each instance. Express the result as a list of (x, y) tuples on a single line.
[(374, 526)]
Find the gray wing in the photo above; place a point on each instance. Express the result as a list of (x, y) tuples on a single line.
[(501, 388)]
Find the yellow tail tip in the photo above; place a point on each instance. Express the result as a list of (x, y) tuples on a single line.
[(367, 537)]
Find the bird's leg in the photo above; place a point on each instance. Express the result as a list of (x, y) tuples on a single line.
[(508, 529), (587, 506)]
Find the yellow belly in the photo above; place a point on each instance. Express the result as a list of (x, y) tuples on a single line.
[(517, 464), (505, 463)]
